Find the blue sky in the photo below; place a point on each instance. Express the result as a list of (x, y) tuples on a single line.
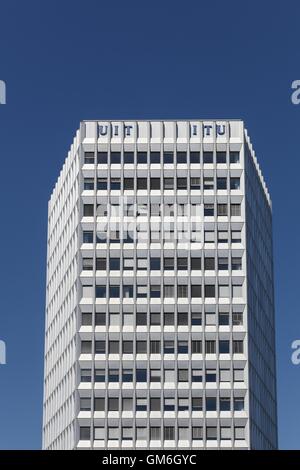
[(73, 60)]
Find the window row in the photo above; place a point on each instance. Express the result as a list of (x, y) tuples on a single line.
[(155, 347), (166, 319), (132, 210), (167, 433), (166, 291), (164, 157), (167, 264), (131, 184), (210, 403), (168, 375)]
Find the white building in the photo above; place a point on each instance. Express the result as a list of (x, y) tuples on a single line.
[(160, 307)]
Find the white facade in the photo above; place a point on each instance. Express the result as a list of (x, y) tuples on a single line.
[(159, 309)]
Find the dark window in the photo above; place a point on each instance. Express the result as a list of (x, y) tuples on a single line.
[(88, 184), (127, 347), (100, 319), (194, 157), (101, 183), (236, 264), (169, 318), (168, 264), (89, 158), (155, 345), (223, 264), (154, 291), (113, 375), (100, 292), (114, 291), (183, 347), (127, 375), (196, 264), (88, 237), (87, 264), (210, 347), (142, 157), (196, 404), (128, 157), (208, 157), (100, 264), (168, 183), (238, 347), (115, 157), (221, 157), (209, 264), (234, 157), (224, 404), (88, 210), (196, 347), (85, 375), (155, 183), (181, 157), (223, 347), (211, 404), (114, 264), (85, 433), (182, 264), (142, 183), (195, 183), (86, 347), (99, 347), (155, 264), (86, 318), (154, 157), (196, 318), (155, 404), (141, 375), (141, 318), (168, 157), (195, 291), (237, 318), (208, 210), (102, 157), (181, 183), (221, 183), (128, 183), (235, 209), (115, 184), (234, 183), (99, 375), (113, 347), (211, 376), (222, 210), (99, 404), (223, 318)]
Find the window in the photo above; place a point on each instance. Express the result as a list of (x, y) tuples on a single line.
[(225, 375), (154, 291), (85, 404), (168, 157), (100, 264), (142, 157), (100, 319), (211, 433), (195, 183), (127, 347), (181, 183), (154, 433), (128, 263), (223, 318), (209, 264), (210, 347), (168, 319), (86, 347), (141, 318), (224, 291), (221, 183), (114, 292), (183, 347), (169, 264), (169, 433), (222, 210), (208, 210), (182, 264), (155, 404), (181, 157), (234, 183), (169, 375), (141, 375), (236, 236), (223, 264), (127, 433), (183, 404), (155, 264), (224, 347), (142, 183), (209, 236), (196, 347), (101, 184), (115, 184), (224, 404), (113, 375), (102, 157), (128, 292), (195, 291), (236, 264), (208, 183), (197, 404), (238, 347), (210, 376), (235, 210), (128, 184), (194, 157), (85, 433), (239, 433), (196, 318), (141, 347), (127, 376), (99, 375), (238, 375), (182, 291), (87, 237), (87, 264), (99, 347), (155, 183), (237, 290), (115, 157), (88, 210), (168, 291), (225, 433), (208, 157), (168, 183), (128, 157), (211, 404), (113, 433), (89, 158), (196, 375), (169, 347), (141, 433), (221, 157), (238, 404), (196, 264), (183, 375), (114, 264), (222, 236), (154, 157), (209, 291), (142, 264), (100, 292), (113, 347), (155, 346), (88, 184), (127, 404), (154, 318), (234, 157), (182, 318), (86, 319), (99, 404), (155, 375), (183, 433), (85, 375), (237, 318)]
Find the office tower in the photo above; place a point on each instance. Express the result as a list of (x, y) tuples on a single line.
[(160, 306)]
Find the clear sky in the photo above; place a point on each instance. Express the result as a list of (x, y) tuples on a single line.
[(64, 61)]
